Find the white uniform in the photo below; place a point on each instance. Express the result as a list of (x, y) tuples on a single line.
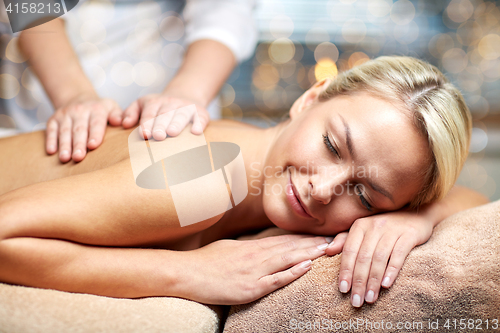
[(126, 48)]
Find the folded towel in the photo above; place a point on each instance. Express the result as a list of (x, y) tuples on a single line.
[(451, 281), (25, 309)]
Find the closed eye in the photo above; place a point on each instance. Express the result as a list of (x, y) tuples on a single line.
[(329, 145), (362, 197)]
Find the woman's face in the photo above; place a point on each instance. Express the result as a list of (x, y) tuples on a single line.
[(340, 160)]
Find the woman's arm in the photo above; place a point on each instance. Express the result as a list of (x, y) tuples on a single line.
[(375, 248), (52, 236)]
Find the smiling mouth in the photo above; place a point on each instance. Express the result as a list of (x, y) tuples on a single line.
[(294, 199)]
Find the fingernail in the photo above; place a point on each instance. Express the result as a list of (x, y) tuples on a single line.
[(126, 118), (329, 239), (344, 287), (331, 244), (91, 141), (52, 148), (386, 281), (306, 264), (369, 296), (64, 153), (356, 300), (322, 247), (147, 133), (77, 152)]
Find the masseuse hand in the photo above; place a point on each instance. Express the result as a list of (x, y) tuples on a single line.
[(172, 121), (238, 272), (374, 251), (80, 124)]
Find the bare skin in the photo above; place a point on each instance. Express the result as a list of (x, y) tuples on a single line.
[(52, 236)]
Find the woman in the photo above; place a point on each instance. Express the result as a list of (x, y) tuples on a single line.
[(397, 117)]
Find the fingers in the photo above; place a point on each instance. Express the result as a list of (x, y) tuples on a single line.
[(381, 255), (65, 132), (115, 116), (149, 111), (336, 246), (349, 255), (97, 123), (401, 250), (131, 115), (360, 270), (200, 121), (288, 254), (161, 123), (80, 134), (51, 136), (270, 283), (289, 242), (179, 121)]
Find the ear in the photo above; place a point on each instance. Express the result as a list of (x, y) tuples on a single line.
[(309, 97)]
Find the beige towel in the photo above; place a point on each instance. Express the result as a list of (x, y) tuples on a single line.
[(24, 309), (454, 276)]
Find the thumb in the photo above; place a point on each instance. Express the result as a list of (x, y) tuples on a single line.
[(337, 244)]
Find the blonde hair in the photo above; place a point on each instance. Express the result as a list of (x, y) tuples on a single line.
[(438, 109)]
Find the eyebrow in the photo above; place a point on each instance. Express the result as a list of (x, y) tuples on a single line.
[(350, 148)]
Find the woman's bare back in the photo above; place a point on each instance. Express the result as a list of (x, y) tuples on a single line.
[(23, 160)]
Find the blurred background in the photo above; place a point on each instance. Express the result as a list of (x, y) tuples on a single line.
[(302, 41)]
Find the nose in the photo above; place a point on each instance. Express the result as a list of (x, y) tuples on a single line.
[(327, 183)]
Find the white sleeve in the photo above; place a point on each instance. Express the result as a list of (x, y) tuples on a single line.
[(229, 22)]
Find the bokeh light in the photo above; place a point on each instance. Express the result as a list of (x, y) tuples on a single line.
[(281, 50), (325, 68)]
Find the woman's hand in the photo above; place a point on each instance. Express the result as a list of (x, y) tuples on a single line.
[(170, 116), (375, 249), (238, 272), (80, 124)]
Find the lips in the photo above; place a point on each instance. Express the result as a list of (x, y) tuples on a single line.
[(293, 198)]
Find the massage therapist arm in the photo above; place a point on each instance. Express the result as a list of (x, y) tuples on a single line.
[(376, 246), (81, 116)]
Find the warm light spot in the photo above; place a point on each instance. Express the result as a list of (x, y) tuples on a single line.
[(455, 60), (439, 44), (357, 58), (326, 50), (265, 77), (469, 33), (288, 69), (489, 46), (460, 10), (281, 50), (9, 86), (325, 68), (13, 53)]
